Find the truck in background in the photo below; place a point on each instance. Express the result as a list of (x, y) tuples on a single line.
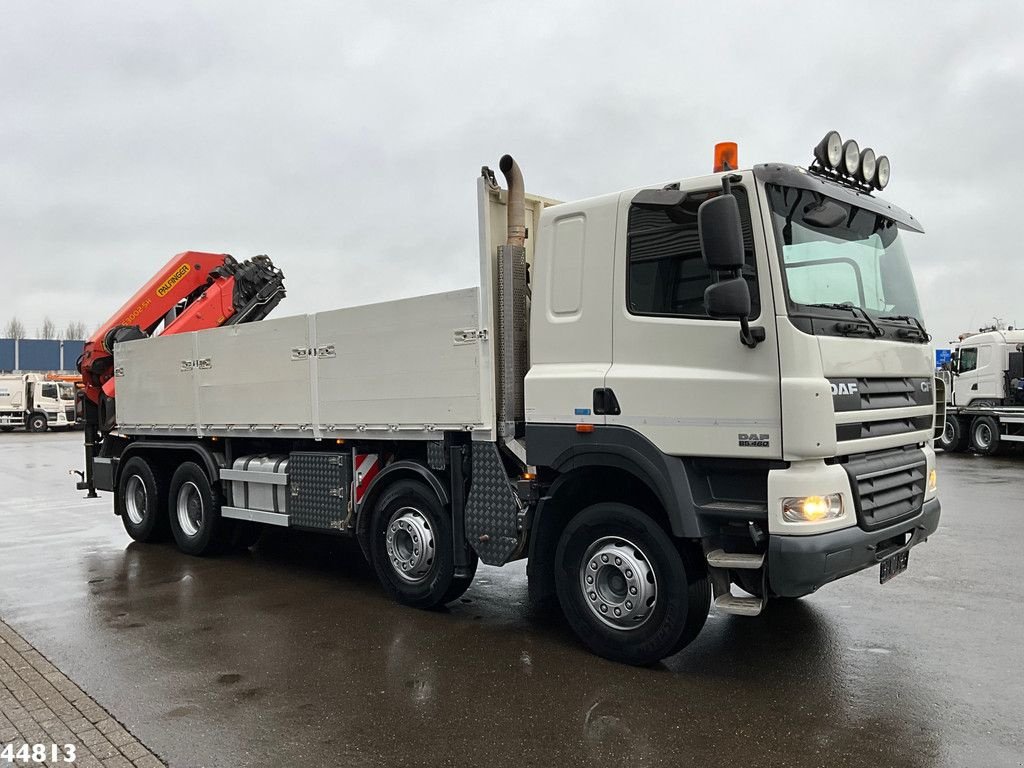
[(659, 395), (985, 392), (36, 402)]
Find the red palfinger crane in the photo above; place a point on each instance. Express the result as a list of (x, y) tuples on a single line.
[(192, 292)]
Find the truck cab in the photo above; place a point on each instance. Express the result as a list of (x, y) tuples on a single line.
[(796, 451), (31, 401), (985, 392)]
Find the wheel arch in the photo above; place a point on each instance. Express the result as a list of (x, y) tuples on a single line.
[(570, 493), (210, 461), (403, 469)]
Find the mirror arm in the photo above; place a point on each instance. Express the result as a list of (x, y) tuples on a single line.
[(750, 337), (728, 180)]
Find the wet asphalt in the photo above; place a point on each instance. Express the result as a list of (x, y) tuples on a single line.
[(291, 655)]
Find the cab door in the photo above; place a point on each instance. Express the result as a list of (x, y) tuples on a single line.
[(682, 379), (965, 384)]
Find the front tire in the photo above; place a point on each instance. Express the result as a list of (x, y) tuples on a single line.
[(985, 435), (37, 423), (142, 499), (628, 591), (411, 547), (194, 511), (954, 437)]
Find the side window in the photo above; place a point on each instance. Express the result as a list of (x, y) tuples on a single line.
[(984, 356), (666, 274), (968, 359), (50, 390)]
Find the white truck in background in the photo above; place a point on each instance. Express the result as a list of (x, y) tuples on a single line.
[(654, 395), (985, 392), (36, 403)]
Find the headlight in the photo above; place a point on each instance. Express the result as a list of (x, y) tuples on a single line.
[(933, 479), (867, 166), (829, 151), (881, 172), (812, 509), (851, 157)]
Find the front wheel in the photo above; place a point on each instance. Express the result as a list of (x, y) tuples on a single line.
[(411, 547), (194, 511), (628, 591), (954, 437), (37, 422)]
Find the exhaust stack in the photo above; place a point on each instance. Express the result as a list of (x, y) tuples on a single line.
[(516, 201), (512, 308)]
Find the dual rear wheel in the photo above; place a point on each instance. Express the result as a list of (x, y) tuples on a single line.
[(184, 505)]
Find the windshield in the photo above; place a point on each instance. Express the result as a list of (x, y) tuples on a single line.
[(67, 391), (837, 254)]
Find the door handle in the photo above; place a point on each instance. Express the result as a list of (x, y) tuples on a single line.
[(974, 386), (605, 402)]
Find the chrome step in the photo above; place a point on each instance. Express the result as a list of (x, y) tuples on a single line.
[(738, 606), (719, 558)]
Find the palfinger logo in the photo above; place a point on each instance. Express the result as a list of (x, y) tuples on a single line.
[(173, 280)]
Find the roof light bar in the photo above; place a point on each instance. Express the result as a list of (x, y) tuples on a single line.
[(833, 156)]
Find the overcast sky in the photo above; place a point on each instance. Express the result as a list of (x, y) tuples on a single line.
[(344, 139)]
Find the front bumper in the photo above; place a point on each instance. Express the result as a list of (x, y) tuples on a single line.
[(798, 565)]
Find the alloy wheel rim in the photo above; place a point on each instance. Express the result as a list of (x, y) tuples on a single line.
[(983, 435), (135, 499), (190, 509), (618, 583), (409, 541)]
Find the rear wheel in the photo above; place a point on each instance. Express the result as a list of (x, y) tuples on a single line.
[(628, 591), (985, 435), (142, 499), (954, 437), (194, 511), (411, 547), (37, 422)]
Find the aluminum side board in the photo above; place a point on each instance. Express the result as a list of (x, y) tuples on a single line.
[(403, 369)]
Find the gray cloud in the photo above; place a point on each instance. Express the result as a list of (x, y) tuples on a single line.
[(343, 139)]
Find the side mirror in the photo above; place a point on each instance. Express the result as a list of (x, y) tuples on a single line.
[(728, 298), (721, 235), (721, 245)]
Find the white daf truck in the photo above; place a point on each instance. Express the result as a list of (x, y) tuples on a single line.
[(985, 392), (31, 401), (717, 388)]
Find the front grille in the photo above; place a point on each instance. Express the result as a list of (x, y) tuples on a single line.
[(869, 394), (888, 486), (862, 429), (69, 414), (874, 394)]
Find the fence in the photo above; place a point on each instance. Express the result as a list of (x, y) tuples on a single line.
[(39, 354)]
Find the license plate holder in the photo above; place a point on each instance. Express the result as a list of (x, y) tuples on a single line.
[(893, 566)]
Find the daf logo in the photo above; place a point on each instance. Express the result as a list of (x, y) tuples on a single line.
[(845, 388)]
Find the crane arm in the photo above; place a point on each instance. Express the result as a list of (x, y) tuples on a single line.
[(192, 292)]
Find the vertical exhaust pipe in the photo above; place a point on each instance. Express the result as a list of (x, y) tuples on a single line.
[(516, 201), (512, 308)]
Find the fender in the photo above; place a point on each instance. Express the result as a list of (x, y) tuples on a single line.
[(560, 447), (384, 478), (210, 460)]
